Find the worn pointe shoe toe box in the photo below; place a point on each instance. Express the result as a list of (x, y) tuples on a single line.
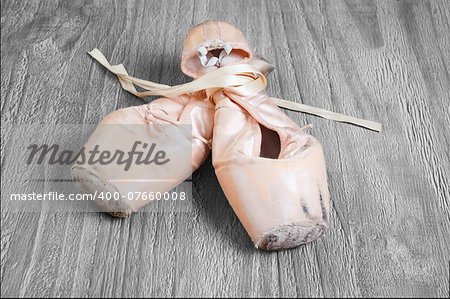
[(272, 172), (121, 128)]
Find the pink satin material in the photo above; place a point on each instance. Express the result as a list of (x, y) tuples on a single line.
[(288, 192), (266, 194), (193, 110), (177, 110)]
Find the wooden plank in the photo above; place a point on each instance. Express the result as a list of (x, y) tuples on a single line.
[(390, 218)]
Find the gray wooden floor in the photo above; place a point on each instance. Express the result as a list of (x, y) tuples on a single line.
[(390, 220)]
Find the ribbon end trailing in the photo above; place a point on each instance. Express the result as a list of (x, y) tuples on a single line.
[(234, 78)]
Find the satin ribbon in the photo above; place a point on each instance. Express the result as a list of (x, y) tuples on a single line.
[(242, 79)]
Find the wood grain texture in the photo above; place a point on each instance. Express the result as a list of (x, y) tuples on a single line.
[(385, 60)]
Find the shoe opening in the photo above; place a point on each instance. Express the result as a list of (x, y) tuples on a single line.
[(216, 56), (270, 143), (211, 45)]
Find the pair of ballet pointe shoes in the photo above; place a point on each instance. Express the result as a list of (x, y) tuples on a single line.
[(272, 172)]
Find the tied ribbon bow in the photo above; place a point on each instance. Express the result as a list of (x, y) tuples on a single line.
[(242, 79)]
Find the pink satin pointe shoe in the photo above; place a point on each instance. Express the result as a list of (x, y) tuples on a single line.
[(272, 172), (129, 190), (114, 132)]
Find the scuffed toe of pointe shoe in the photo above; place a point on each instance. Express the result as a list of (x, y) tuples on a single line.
[(290, 236), (90, 183)]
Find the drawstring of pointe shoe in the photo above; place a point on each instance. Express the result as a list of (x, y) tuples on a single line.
[(242, 79)]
